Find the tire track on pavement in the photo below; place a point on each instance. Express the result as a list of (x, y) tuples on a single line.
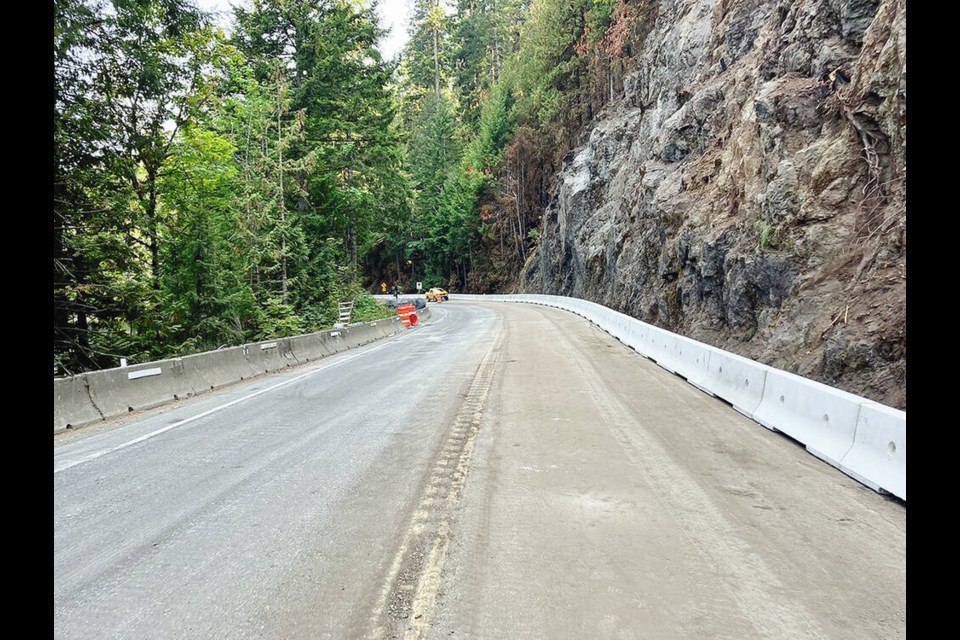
[(753, 584), (409, 594)]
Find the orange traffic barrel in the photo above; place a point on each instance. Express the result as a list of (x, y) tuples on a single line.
[(408, 314)]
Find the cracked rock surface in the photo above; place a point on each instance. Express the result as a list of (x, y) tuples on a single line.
[(747, 189)]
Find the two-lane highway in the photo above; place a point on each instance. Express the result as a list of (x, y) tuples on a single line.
[(274, 516), (501, 471)]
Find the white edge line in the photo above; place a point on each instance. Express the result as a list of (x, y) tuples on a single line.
[(180, 423)]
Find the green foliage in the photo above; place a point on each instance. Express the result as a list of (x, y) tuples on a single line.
[(769, 236), (212, 190), (127, 79), (543, 69), (279, 319), (763, 229), (598, 18), (520, 83), (494, 131), (349, 161), (210, 193), (206, 301), (366, 308)]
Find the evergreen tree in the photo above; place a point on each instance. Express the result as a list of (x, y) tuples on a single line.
[(339, 91), (127, 77)]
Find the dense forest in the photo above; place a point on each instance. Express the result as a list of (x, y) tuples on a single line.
[(214, 186)]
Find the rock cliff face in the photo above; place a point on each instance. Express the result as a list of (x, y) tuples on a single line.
[(747, 189)]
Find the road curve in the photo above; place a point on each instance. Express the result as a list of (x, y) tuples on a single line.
[(501, 471)]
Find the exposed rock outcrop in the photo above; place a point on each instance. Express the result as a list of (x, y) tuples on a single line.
[(747, 189)]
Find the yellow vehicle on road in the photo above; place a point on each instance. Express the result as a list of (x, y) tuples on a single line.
[(437, 294)]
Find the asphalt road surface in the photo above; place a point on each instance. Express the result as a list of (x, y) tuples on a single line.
[(500, 471)]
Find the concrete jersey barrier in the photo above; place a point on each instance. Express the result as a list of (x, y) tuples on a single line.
[(878, 457), (864, 439), (99, 395)]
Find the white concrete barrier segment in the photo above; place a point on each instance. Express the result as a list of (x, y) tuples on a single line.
[(693, 363), (878, 457), (736, 379), (821, 417), (632, 333), (661, 345)]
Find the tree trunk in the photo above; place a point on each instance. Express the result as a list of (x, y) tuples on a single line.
[(351, 222), (283, 208), (521, 228), (436, 61), (153, 227), (496, 46), (61, 317), (83, 339)]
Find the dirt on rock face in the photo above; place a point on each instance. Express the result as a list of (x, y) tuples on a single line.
[(747, 188)]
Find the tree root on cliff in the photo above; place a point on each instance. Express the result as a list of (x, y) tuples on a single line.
[(871, 138), (840, 314), (875, 153)]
